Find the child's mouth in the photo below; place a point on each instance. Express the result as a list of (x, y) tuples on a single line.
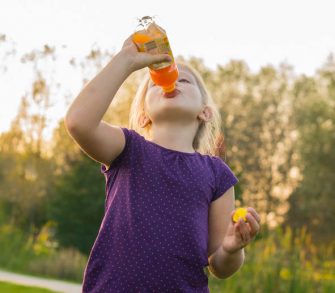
[(171, 94)]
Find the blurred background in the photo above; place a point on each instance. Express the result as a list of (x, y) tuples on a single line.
[(270, 66)]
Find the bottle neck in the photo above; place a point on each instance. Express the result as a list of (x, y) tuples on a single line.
[(169, 88)]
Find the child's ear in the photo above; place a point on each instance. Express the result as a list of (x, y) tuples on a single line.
[(144, 121), (206, 114)]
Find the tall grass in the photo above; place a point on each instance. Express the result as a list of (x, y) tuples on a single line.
[(281, 260), (39, 256)]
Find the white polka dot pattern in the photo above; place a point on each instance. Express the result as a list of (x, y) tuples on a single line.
[(154, 234)]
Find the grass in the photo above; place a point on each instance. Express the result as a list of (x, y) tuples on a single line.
[(283, 261), (14, 288), (280, 260), (38, 258)]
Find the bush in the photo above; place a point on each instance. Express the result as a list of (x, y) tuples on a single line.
[(283, 260), (66, 264)]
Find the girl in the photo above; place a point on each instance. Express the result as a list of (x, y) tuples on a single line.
[(169, 199)]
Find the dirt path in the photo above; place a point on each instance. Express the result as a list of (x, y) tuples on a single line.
[(58, 286)]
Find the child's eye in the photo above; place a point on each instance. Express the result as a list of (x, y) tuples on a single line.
[(180, 80)]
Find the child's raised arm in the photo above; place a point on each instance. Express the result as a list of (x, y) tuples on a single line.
[(83, 120)]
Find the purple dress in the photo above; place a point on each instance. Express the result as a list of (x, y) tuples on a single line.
[(154, 234)]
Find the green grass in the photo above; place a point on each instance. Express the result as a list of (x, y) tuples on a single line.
[(36, 258), (283, 262), (13, 288), (280, 260)]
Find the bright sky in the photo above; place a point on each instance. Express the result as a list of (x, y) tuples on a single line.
[(260, 32)]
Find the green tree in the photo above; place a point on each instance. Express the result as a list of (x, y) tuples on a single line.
[(77, 204), (313, 200), (256, 121)]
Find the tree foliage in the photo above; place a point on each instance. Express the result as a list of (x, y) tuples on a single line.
[(278, 134)]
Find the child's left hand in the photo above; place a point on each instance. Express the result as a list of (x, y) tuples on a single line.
[(240, 234)]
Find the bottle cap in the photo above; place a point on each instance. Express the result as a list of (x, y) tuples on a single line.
[(145, 21)]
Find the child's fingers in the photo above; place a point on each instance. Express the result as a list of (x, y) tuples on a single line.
[(160, 58), (253, 225), (244, 230), (146, 59), (128, 42), (142, 59), (254, 213)]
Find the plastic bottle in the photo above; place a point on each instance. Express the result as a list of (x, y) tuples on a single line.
[(151, 38)]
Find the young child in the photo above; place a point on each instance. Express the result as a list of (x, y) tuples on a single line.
[(169, 199)]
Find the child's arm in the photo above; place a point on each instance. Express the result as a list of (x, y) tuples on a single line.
[(222, 264), (102, 142), (88, 108), (227, 239), (83, 120)]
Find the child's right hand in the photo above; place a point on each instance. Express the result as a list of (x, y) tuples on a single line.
[(138, 60)]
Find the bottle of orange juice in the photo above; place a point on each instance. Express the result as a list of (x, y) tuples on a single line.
[(151, 38)]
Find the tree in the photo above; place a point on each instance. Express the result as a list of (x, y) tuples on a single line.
[(77, 204), (313, 200)]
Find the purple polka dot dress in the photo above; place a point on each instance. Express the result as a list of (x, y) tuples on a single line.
[(154, 233)]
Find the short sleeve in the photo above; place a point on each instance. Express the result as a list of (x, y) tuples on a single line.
[(130, 138), (224, 178)]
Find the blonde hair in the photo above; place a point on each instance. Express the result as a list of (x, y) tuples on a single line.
[(208, 138)]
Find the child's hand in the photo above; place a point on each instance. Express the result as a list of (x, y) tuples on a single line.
[(240, 234), (138, 60)]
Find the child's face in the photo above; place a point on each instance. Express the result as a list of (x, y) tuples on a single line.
[(185, 106)]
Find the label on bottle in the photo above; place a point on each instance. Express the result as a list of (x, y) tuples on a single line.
[(158, 46)]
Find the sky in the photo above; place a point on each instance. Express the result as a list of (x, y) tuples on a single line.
[(260, 32)]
